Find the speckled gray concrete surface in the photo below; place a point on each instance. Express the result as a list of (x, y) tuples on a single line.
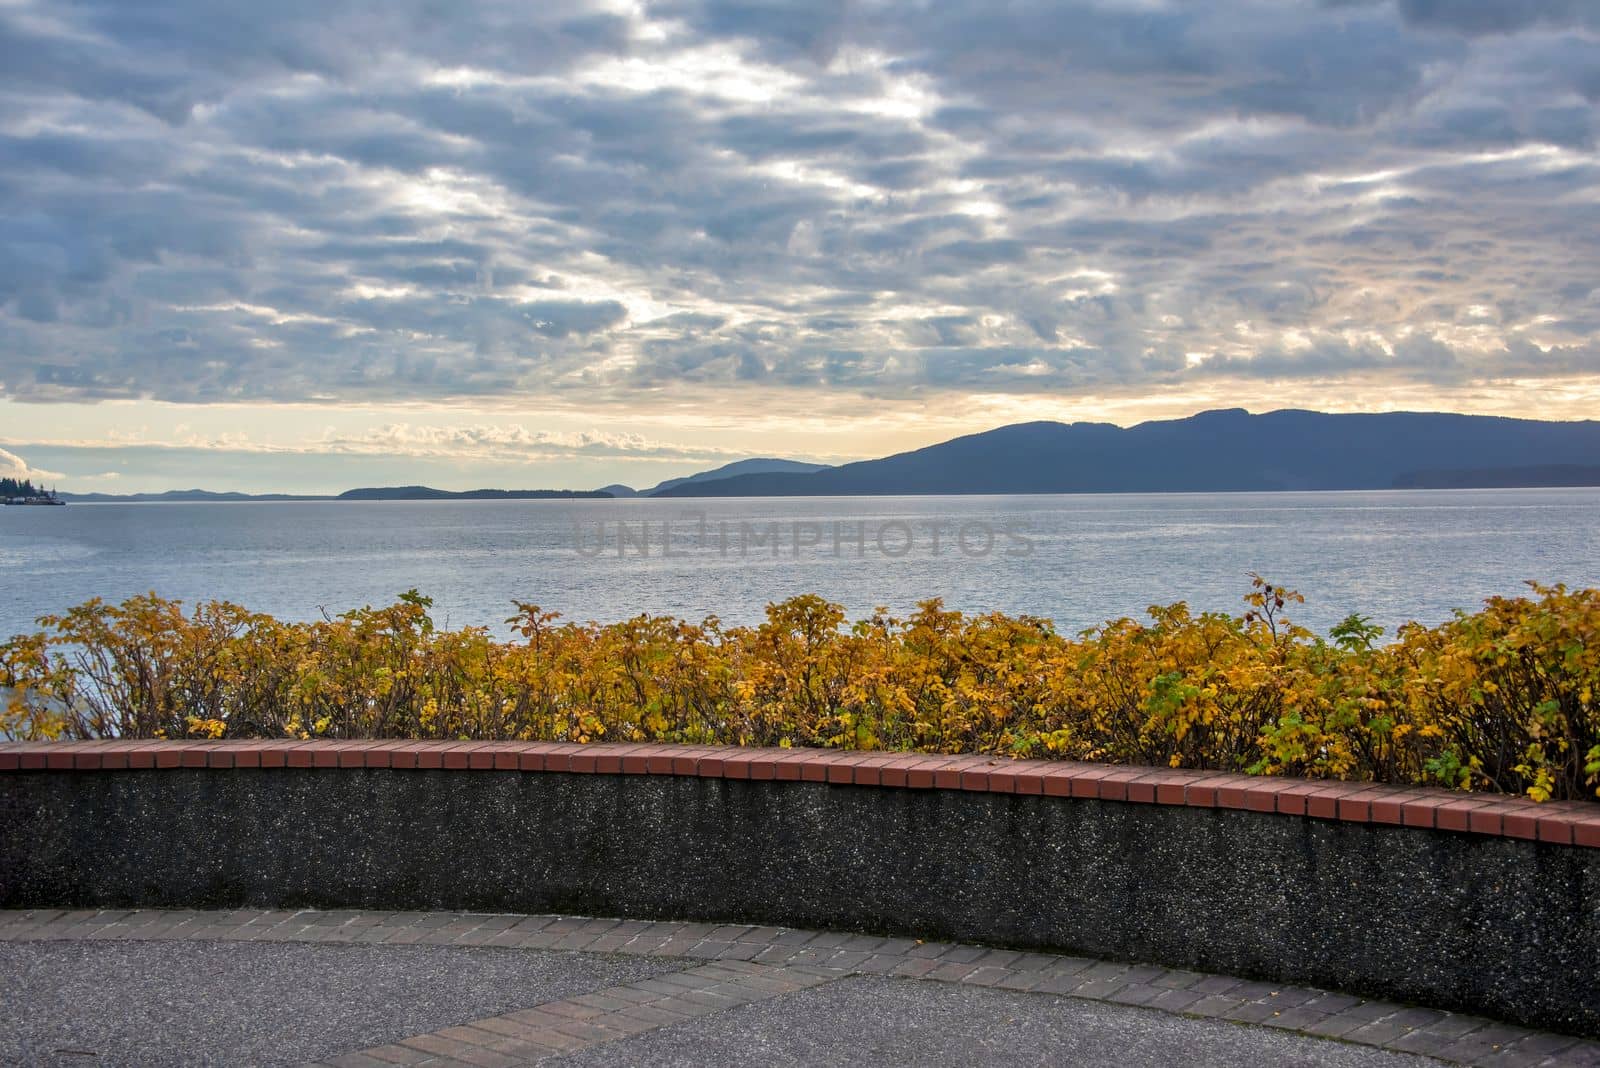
[(1497, 926), (148, 1004), (714, 968), (890, 1022)]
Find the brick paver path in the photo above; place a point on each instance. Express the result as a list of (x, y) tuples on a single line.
[(745, 964)]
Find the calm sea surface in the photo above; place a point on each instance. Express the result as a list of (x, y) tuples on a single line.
[(1077, 559)]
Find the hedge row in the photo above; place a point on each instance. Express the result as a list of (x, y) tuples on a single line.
[(1502, 699)]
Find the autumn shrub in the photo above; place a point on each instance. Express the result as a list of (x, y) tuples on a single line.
[(1510, 691), (1500, 700)]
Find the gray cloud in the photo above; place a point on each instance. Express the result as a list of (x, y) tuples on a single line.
[(1480, 17), (398, 202)]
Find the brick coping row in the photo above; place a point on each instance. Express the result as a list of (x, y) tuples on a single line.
[(1572, 823)]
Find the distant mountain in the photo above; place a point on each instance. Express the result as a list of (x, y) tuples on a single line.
[(759, 466), (1213, 451), (428, 493), (619, 490), (1549, 475)]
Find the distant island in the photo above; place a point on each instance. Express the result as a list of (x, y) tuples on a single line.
[(13, 491), (12, 487), (366, 493), (179, 496), (428, 493), (1217, 451), (759, 466)]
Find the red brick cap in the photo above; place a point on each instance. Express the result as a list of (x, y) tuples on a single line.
[(1573, 823)]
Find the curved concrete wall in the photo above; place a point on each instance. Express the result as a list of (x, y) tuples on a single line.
[(1490, 920)]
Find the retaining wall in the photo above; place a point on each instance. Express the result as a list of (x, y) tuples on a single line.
[(1455, 901)]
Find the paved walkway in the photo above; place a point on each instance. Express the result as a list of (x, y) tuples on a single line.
[(372, 989)]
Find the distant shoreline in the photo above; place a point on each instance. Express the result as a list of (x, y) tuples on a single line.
[(468, 495), (395, 493)]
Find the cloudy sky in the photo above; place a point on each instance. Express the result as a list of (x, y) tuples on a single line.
[(310, 244)]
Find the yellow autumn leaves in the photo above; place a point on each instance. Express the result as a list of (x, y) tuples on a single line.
[(1500, 699)]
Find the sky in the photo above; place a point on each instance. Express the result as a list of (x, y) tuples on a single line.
[(312, 244)]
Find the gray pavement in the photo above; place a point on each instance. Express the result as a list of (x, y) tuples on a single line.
[(171, 1003), (356, 989), (900, 1022)]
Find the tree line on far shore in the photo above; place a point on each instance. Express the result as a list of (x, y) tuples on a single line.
[(10, 487)]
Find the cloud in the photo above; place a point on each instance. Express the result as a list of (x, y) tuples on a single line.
[(1480, 17), (14, 466), (507, 442), (511, 442), (355, 203)]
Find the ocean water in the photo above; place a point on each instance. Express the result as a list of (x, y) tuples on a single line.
[(1079, 560)]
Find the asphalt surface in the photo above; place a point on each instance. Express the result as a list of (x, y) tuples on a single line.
[(893, 1022), (151, 1004), (230, 1003)]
